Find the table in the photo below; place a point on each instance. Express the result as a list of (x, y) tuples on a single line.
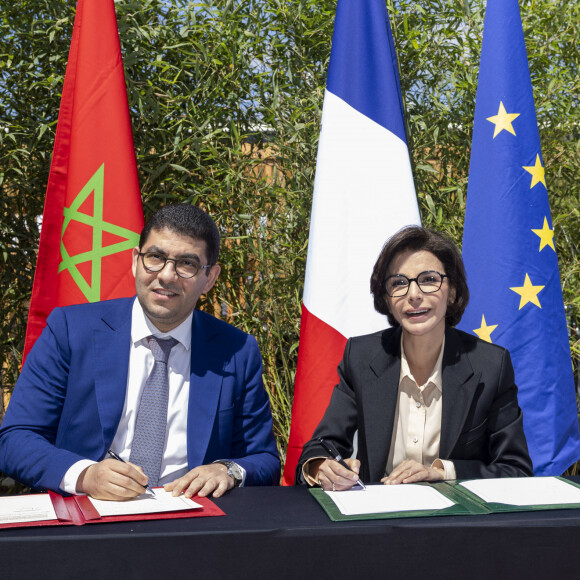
[(280, 532)]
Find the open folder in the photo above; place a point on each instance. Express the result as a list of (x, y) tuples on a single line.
[(52, 509), (446, 498)]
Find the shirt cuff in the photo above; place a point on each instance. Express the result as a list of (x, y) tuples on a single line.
[(306, 471), (68, 483), (447, 466)]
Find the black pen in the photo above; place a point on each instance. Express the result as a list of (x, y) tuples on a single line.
[(115, 456), (330, 448)]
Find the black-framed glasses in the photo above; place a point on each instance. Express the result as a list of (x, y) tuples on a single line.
[(185, 267), (430, 281)]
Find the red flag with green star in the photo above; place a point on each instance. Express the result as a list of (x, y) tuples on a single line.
[(93, 213)]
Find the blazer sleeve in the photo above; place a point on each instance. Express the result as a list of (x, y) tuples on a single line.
[(496, 445), (29, 429), (253, 444)]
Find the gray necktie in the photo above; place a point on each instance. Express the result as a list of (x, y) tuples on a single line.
[(149, 437)]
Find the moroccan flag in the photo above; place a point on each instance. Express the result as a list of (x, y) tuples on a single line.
[(508, 245), (92, 212), (363, 194)]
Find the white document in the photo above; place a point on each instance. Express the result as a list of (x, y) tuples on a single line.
[(389, 498), (523, 491), (145, 504), (26, 508)]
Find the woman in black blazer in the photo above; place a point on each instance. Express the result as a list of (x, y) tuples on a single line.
[(451, 413)]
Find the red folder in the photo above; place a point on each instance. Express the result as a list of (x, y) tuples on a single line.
[(78, 510)]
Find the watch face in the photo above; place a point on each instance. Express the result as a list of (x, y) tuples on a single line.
[(236, 471)]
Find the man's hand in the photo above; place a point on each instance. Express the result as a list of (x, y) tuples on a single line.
[(331, 475), (411, 471), (113, 480), (203, 480)]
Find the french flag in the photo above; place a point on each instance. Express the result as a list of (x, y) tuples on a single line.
[(363, 194)]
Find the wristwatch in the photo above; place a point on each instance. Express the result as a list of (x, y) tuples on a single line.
[(234, 471)]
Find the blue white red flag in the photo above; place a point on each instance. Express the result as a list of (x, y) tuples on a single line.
[(363, 194)]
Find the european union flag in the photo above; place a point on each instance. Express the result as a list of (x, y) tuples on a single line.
[(508, 245)]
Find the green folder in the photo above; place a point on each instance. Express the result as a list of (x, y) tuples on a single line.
[(465, 503), (494, 507)]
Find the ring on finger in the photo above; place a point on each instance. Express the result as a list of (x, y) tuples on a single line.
[(333, 488)]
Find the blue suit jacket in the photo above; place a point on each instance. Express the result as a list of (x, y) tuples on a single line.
[(68, 401)]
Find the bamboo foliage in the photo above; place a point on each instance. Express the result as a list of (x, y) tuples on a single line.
[(226, 98)]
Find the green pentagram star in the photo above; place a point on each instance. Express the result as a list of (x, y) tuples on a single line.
[(95, 184)]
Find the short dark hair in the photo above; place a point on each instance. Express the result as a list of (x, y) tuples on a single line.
[(187, 220), (417, 238)]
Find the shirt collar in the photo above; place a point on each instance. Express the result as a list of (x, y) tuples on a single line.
[(142, 327), (436, 377)]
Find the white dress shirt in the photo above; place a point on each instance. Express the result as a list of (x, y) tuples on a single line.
[(417, 425), (141, 360)]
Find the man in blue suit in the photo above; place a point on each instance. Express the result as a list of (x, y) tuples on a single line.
[(79, 395)]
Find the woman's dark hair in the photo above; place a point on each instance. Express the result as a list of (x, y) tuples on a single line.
[(417, 238)]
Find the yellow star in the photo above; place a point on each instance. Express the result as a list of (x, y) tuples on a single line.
[(503, 120), (537, 172), (546, 236), (528, 293), (484, 331)]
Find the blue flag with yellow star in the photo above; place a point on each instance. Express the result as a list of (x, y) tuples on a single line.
[(508, 245)]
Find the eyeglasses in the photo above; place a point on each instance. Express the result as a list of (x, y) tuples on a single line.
[(185, 267), (429, 281)]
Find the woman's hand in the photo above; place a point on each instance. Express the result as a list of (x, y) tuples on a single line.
[(411, 471), (332, 476)]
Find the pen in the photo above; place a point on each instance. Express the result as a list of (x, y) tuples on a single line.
[(330, 448), (115, 456)]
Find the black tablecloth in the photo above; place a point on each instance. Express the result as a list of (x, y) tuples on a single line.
[(283, 532)]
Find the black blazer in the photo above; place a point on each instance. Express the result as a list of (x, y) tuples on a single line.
[(481, 423)]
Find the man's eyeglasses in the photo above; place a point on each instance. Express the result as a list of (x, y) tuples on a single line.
[(429, 281), (185, 267)]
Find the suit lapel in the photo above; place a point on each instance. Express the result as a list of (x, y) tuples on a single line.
[(111, 351), (379, 401), (459, 384), (204, 390)]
